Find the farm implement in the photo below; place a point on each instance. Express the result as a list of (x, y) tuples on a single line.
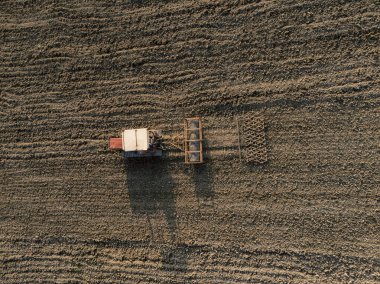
[(144, 142)]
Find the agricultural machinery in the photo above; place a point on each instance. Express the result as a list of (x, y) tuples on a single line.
[(144, 142)]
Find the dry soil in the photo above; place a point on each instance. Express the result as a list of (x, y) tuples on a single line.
[(74, 73)]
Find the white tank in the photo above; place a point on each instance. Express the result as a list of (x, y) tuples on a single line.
[(135, 139)]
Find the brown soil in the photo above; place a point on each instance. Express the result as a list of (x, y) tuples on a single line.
[(74, 74)]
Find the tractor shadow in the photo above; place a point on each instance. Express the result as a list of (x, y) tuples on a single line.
[(151, 191)]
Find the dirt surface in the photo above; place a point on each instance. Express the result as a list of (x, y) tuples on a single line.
[(74, 73)]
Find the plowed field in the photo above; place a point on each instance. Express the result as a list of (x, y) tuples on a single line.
[(74, 73)]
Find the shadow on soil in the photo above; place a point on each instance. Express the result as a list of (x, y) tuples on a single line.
[(175, 258), (202, 177), (151, 190)]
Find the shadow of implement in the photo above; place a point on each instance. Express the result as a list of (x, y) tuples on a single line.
[(202, 176)]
